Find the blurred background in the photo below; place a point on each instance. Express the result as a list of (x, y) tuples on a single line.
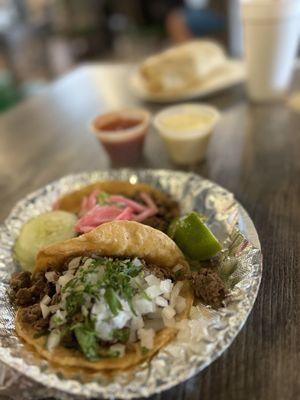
[(42, 39)]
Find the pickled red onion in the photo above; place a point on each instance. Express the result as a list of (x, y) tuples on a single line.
[(89, 201), (97, 216), (121, 208), (148, 200), (130, 203), (126, 214)]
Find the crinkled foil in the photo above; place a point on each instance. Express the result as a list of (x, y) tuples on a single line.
[(24, 376)]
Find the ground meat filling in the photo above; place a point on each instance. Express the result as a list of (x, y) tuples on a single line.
[(209, 287), (168, 209)]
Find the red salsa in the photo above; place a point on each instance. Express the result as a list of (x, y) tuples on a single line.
[(122, 134), (120, 124)]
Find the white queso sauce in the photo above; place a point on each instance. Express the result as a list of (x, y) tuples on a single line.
[(186, 121), (185, 130)]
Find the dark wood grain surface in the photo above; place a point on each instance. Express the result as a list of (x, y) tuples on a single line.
[(255, 153)]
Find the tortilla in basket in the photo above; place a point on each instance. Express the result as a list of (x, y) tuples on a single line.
[(118, 239)]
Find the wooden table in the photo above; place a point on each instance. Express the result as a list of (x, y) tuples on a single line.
[(255, 153)]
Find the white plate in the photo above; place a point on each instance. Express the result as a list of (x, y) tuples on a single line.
[(232, 73)]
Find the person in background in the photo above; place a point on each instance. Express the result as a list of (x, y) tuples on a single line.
[(194, 19)]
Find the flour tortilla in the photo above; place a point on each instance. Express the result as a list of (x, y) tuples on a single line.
[(116, 239)]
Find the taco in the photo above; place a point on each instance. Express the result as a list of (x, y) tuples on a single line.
[(105, 201), (106, 300)]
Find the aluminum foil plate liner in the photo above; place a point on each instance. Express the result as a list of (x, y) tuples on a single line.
[(24, 376)]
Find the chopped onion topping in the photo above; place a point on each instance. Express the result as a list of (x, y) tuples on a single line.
[(46, 300), (142, 305), (74, 263), (64, 279), (168, 312), (45, 310), (137, 323), (58, 319), (146, 337), (152, 280), (153, 291), (118, 348), (51, 276), (160, 301), (136, 262), (53, 340), (180, 304), (175, 292), (166, 285)]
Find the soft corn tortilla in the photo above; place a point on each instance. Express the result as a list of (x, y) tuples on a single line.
[(117, 239), (72, 201)]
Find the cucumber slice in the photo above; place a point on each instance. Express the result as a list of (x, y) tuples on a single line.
[(42, 231)]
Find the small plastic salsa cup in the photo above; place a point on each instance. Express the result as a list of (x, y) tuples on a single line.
[(122, 134), (186, 130)]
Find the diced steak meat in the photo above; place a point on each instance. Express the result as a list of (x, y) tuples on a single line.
[(42, 325), (168, 209), (209, 287), (24, 297), (31, 314), (161, 273), (20, 280), (27, 290)]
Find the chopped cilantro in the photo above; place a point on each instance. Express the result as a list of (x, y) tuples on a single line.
[(56, 320), (144, 350), (107, 277), (74, 302), (118, 275), (87, 340), (108, 353), (116, 280), (89, 344), (121, 335), (112, 300), (102, 198)]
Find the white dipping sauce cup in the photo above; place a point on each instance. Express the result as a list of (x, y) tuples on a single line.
[(187, 146), (271, 34)]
